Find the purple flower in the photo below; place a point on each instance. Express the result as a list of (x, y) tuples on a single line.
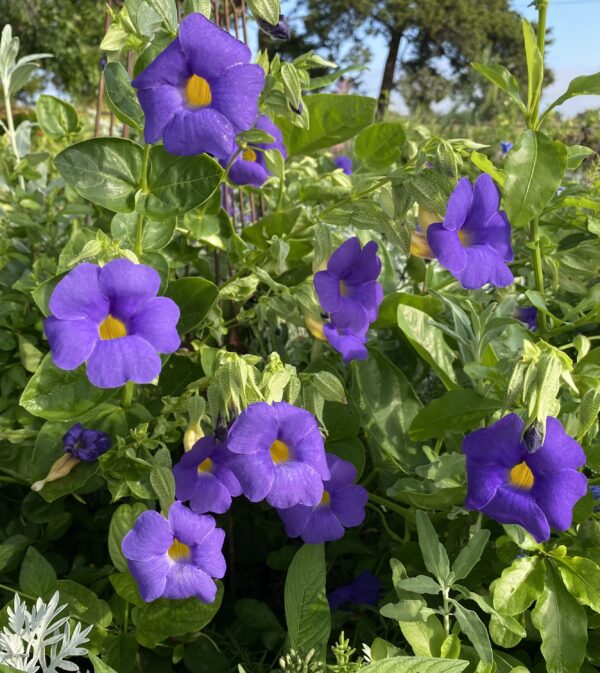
[(341, 506), (111, 318), (278, 31), (84, 444), (511, 485), (528, 315), (344, 162), (506, 146), (363, 590), (175, 557), (200, 91), (280, 454), (350, 344), (348, 290), (473, 242), (203, 477), (250, 167)]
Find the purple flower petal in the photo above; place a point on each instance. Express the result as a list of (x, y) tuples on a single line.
[(497, 445), (188, 527), (310, 450), (516, 506), (484, 265), (248, 173), (127, 286), (77, 295), (209, 557), (483, 482), (235, 94), (556, 495), (151, 576), (255, 429), (255, 473), (156, 322), (210, 495), (170, 68), (71, 341), (327, 287), (350, 345), (348, 504), (350, 315), (116, 361), (150, 537), (342, 473), (209, 49), (369, 295), (323, 527), (201, 130), (495, 233), (458, 205), (159, 105), (368, 267), (266, 124), (485, 203), (294, 483), (186, 480), (447, 247), (343, 162), (343, 261), (558, 452), (184, 581), (295, 519), (294, 423)]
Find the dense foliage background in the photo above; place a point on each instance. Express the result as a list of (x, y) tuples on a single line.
[(459, 591)]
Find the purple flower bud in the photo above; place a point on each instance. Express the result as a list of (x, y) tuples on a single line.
[(102, 61), (533, 437), (85, 444), (277, 31)]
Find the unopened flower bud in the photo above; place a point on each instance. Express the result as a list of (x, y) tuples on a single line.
[(61, 468), (277, 31), (191, 436), (315, 327), (533, 437)]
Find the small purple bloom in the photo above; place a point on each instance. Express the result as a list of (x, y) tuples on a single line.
[(278, 31), (473, 241), (341, 506), (348, 290), (506, 146), (85, 444), (111, 318), (175, 557), (350, 344), (344, 162), (203, 477), (280, 454), (200, 91), (363, 590), (250, 167), (528, 315), (511, 485)]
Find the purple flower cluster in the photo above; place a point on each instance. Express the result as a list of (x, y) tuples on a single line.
[(348, 290), (272, 452)]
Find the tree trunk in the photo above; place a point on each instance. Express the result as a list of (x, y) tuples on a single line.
[(387, 81)]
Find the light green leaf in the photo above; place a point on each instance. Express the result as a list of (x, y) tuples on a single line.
[(519, 585), (475, 630), (429, 343), (585, 85), (416, 665), (582, 578), (434, 554), (535, 67), (577, 154), (469, 555), (380, 145), (200, 6), (265, 9), (562, 623), (163, 483), (503, 79), (333, 119), (455, 411), (195, 297), (56, 117), (104, 170), (484, 164), (534, 170), (84, 605), (121, 97), (306, 608), (155, 235), (167, 10), (421, 584), (99, 665)]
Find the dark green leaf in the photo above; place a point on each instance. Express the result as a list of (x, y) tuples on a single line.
[(503, 79), (195, 297), (37, 576), (121, 523), (99, 665), (469, 555), (56, 117), (84, 605), (380, 145), (586, 85), (155, 235), (475, 630), (121, 97)]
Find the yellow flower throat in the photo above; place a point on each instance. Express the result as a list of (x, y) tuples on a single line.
[(197, 92), (521, 476), (112, 328)]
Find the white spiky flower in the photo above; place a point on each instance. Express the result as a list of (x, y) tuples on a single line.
[(40, 641)]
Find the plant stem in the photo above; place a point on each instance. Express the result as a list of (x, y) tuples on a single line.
[(445, 595), (139, 226), (536, 258), (392, 506), (127, 395), (11, 131), (542, 6), (144, 176)]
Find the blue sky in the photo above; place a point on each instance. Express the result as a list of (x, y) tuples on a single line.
[(576, 49)]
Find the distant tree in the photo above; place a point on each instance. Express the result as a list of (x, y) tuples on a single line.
[(432, 42), (71, 30)]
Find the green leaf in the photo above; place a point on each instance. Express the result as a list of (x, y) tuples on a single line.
[(469, 555), (306, 608), (121, 523), (484, 164), (177, 185), (56, 117), (421, 584), (586, 85), (519, 585), (577, 154), (455, 411), (265, 9), (165, 618), (329, 386), (380, 145), (415, 665), (475, 630), (425, 637), (535, 67), (84, 605), (59, 395), (333, 119), (582, 578), (163, 483), (105, 171), (562, 623), (195, 297), (200, 6), (120, 650), (127, 589), (434, 554), (121, 97), (429, 343), (503, 79), (155, 235), (534, 170), (388, 404), (99, 665), (37, 576), (167, 10), (291, 84)]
